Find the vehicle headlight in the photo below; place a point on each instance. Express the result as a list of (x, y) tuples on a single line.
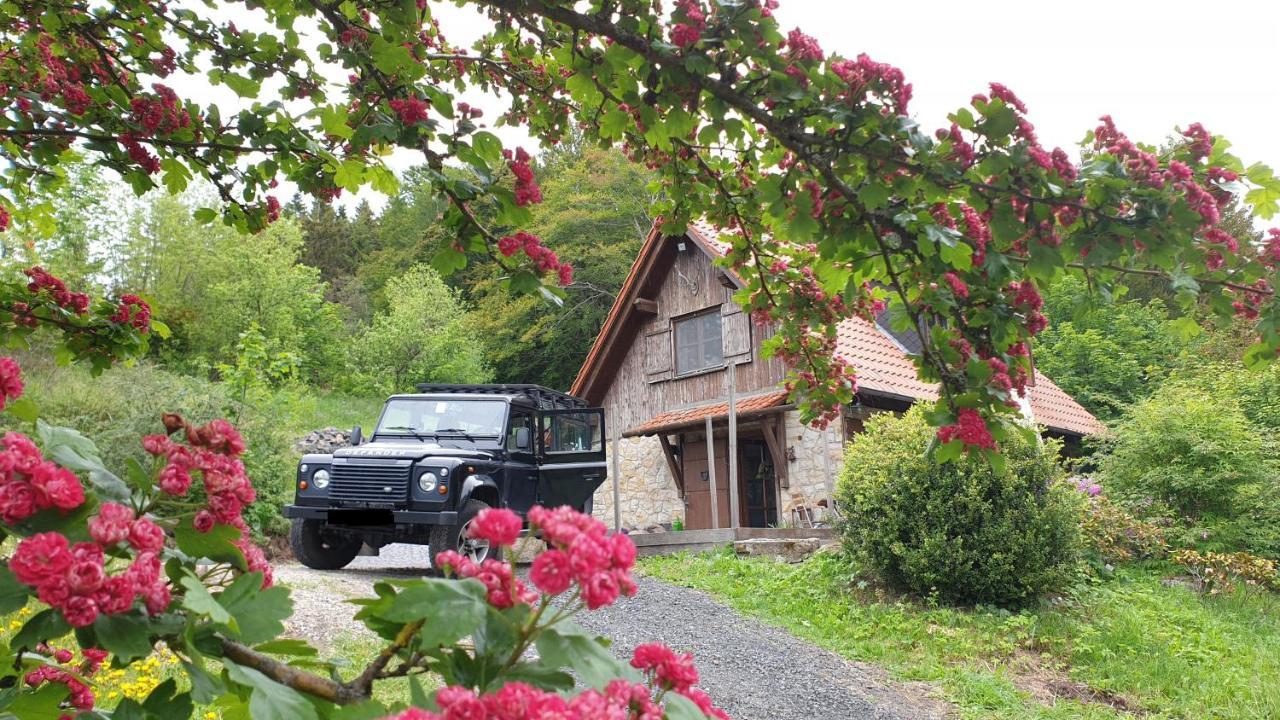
[(321, 479), (427, 481)]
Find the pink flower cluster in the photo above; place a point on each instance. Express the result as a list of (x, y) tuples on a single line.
[(620, 700), (864, 75), (580, 550), (693, 20), (527, 190), (134, 311), (73, 578), (10, 381), (969, 429), (1025, 297), (214, 451), (803, 48), (160, 114), (411, 110), (80, 696), (42, 281), (1086, 486), (544, 257), (958, 286), (1270, 255), (29, 483)]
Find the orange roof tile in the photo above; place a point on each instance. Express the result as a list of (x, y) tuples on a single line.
[(674, 419)]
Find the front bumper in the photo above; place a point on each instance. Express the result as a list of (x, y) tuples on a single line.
[(348, 516)]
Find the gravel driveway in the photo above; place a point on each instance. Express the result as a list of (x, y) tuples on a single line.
[(753, 670)]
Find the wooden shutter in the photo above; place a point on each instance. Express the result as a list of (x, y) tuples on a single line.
[(657, 352), (736, 326)]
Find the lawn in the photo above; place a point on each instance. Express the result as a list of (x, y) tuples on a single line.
[(1130, 645)]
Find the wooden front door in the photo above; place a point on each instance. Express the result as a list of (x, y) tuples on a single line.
[(698, 485)]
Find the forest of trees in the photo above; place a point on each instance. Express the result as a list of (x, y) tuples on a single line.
[(347, 295)]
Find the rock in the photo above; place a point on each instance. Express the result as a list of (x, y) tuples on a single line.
[(527, 548), (323, 441), (792, 550), (655, 529)]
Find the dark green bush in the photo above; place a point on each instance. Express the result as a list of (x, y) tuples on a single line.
[(961, 531)]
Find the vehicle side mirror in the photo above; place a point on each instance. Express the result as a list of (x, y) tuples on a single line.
[(524, 439), (356, 436)]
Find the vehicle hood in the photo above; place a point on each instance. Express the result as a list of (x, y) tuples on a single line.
[(383, 449)]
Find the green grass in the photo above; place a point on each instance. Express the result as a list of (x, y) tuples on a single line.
[(1166, 651)]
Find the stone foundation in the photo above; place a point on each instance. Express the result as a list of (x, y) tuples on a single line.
[(649, 494)]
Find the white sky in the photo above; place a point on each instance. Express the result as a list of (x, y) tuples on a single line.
[(1151, 65)]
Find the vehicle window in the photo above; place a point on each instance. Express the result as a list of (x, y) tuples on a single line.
[(572, 432), (699, 344), (519, 420), (424, 415)]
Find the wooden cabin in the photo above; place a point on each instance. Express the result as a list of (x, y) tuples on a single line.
[(672, 352)]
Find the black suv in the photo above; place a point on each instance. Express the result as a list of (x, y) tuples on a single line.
[(439, 457)]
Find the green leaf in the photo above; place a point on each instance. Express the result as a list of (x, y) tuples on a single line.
[(568, 645), (258, 613), (269, 699), (176, 175), (1185, 328), (349, 175), (74, 451), (217, 544), (160, 329), (205, 687), (488, 147), (947, 452), (47, 624), (286, 646), (125, 635), (242, 86), (42, 704), (166, 702), (539, 676), (874, 194), (453, 609), (13, 594), (198, 600), (447, 261), (204, 216), (25, 409), (334, 120), (679, 707)]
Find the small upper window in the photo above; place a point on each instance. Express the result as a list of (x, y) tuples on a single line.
[(699, 343)]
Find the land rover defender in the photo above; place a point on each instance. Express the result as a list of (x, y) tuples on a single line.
[(437, 458)]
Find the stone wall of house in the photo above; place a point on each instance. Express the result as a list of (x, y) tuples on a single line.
[(648, 493), (808, 472)]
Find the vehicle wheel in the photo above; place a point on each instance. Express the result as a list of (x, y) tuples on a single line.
[(321, 550), (454, 537)]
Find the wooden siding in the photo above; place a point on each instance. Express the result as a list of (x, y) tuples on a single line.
[(644, 385)]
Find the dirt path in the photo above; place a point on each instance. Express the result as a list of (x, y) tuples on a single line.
[(753, 670)]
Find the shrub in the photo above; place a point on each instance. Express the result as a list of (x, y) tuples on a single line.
[(1223, 572), (962, 531), (1110, 535), (1186, 451)]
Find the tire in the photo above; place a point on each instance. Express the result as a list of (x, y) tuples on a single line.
[(319, 550), (450, 537)]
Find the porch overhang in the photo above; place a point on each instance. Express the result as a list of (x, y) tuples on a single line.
[(672, 421)]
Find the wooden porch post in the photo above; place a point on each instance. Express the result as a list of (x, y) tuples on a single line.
[(711, 476), (826, 463), (617, 493), (733, 449)]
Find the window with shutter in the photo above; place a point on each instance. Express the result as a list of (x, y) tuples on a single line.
[(699, 342)]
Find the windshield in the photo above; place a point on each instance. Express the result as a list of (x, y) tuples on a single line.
[(428, 417)]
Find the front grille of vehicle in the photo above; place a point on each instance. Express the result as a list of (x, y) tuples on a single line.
[(381, 484)]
